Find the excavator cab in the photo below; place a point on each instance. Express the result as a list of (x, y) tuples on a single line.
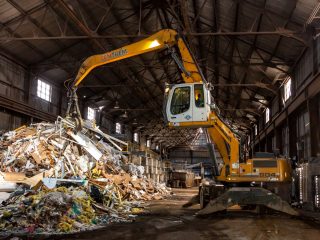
[(187, 103)]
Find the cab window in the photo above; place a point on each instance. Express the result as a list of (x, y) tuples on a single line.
[(180, 102), (199, 95)]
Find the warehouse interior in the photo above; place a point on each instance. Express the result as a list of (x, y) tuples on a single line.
[(259, 62)]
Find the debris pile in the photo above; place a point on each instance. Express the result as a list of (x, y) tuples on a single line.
[(68, 180), (63, 209)]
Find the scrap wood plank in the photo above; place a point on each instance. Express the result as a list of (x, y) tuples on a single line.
[(36, 157), (19, 177), (103, 208)]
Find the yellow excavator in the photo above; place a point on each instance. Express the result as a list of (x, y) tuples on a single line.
[(258, 181)]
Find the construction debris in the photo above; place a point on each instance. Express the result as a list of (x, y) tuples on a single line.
[(66, 180)]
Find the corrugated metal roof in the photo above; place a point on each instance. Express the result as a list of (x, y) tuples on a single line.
[(7, 12), (241, 58)]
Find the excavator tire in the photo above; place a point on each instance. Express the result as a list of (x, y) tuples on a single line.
[(204, 197)]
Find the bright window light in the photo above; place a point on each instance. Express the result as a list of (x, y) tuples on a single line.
[(157, 147), (287, 89), (118, 128), (148, 143), (136, 137), (44, 90), (255, 130), (267, 115), (91, 113)]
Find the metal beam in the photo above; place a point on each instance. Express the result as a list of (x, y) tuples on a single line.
[(70, 13), (216, 25), (150, 92), (187, 23), (258, 84), (280, 37), (284, 33), (28, 44), (85, 30), (248, 55), (29, 12), (236, 23)]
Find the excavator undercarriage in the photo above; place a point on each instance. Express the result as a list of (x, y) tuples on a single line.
[(215, 198)]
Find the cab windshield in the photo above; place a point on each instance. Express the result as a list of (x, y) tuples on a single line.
[(180, 100)]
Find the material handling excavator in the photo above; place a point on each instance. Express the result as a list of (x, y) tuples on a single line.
[(258, 181)]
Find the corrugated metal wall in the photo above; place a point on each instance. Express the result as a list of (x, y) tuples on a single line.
[(17, 84), (303, 70), (294, 127), (12, 79)]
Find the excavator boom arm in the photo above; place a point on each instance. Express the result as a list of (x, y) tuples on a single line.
[(190, 72), (163, 39), (221, 134)]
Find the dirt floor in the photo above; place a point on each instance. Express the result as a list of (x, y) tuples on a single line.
[(166, 219)]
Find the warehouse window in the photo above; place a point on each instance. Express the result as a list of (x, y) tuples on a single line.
[(148, 143), (267, 115), (44, 90), (118, 128), (287, 89), (157, 147), (136, 137), (91, 114)]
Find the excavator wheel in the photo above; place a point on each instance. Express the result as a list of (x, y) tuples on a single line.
[(248, 207), (261, 210), (204, 197)]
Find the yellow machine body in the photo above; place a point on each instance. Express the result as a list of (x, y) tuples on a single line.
[(189, 105), (271, 169)]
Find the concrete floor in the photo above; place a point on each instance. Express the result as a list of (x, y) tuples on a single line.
[(167, 220)]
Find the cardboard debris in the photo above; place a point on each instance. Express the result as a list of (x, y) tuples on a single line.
[(67, 180), (18, 177)]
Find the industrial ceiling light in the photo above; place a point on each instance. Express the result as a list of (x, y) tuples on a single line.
[(134, 122), (116, 106), (124, 115), (263, 101)]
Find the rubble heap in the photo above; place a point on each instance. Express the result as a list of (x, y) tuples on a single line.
[(59, 209), (71, 179)]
